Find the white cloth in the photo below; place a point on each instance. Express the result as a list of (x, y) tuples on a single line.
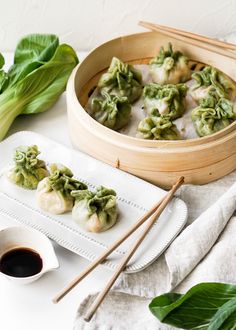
[(204, 251)]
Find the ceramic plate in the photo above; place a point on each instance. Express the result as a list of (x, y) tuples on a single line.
[(134, 196)]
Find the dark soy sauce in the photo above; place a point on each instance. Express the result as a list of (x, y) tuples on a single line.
[(21, 262)]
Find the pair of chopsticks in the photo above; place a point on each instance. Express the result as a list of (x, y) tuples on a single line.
[(153, 214), (220, 47)]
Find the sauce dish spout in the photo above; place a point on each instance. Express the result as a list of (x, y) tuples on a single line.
[(50, 260)]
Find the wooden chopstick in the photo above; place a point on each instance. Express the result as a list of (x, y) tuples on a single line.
[(100, 259), (191, 35), (99, 299), (194, 42)]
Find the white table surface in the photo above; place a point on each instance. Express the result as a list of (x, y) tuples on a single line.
[(30, 307)]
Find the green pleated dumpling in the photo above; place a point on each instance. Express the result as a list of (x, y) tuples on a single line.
[(121, 79), (112, 111), (169, 67), (158, 128), (212, 115), (165, 100), (28, 170), (95, 211), (212, 82)]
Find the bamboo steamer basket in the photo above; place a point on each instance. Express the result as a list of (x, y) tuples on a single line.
[(161, 162)]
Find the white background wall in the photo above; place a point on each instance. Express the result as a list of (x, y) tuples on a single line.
[(87, 23)]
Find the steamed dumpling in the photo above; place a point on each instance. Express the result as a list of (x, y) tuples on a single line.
[(112, 111), (167, 100), (121, 79), (95, 212), (28, 169), (54, 192), (169, 67), (212, 82), (158, 128), (212, 115)]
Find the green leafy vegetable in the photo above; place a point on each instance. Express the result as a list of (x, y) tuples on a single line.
[(121, 79), (212, 82), (97, 211), (112, 111), (31, 52), (3, 75), (167, 100), (169, 67), (28, 169), (206, 306), (158, 128), (212, 115), (37, 78)]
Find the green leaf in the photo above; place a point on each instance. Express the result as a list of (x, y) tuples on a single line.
[(3, 74), (2, 61), (31, 52), (38, 84), (209, 306), (225, 316), (40, 47), (3, 79), (42, 87)]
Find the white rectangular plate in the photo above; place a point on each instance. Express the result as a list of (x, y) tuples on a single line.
[(134, 196)]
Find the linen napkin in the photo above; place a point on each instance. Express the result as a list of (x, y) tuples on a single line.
[(204, 251)]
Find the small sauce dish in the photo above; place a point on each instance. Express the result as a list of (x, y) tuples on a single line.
[(25, 254)]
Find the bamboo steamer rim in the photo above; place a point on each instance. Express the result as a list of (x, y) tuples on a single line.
[(215, 138)]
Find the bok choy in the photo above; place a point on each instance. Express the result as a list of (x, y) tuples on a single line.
[(206, 306), (36, 79)]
